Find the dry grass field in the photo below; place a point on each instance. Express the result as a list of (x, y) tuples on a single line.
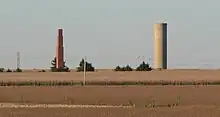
[(106, 75), (190, 101)]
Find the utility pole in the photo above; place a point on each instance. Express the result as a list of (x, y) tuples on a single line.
[(84, 77)]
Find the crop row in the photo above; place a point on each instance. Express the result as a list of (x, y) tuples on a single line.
[(73, 83)]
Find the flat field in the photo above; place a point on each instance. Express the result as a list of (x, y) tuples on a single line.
[(201, 101), (106, 112), (107, 75), (190, 101)]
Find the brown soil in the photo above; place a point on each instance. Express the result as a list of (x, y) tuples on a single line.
[(139, 95), (158, 112), (200, 101)]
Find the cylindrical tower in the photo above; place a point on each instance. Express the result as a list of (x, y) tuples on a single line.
[(59, 50), (160, 46)]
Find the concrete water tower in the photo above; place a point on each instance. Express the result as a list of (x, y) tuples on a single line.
[(160, 46)]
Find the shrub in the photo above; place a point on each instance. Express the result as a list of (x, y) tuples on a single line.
[(42, 70), (126, 68), (9, 70), (18, 70), (54, 69), (144, 67), (118, 68), (2, 69), (89, 66)]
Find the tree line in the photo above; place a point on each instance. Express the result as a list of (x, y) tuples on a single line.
[(142, 67), (89, 67), (80, 68)]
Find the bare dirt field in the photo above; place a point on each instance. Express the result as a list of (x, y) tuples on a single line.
[(108, 75), (113, 95), (158, 112), (201, 101)]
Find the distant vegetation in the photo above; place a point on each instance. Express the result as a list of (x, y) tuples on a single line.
[(2, 69), (142, 67), (9, 70), (54, 69), (18, 70), (126, 68), (89, 66)]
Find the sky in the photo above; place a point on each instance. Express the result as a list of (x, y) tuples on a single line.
[(109, 32)]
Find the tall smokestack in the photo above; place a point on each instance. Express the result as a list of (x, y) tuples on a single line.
[(59, 50), (160, 46)]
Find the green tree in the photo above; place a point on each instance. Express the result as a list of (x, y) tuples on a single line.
[(18, 70), (2, 69), (54, 69), (89, 66), (144, 67), (126, 68), (9, 70), (118, 68)]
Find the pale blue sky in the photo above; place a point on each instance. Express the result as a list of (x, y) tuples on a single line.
[(114, 32)]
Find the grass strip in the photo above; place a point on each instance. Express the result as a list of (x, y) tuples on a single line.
[(105, 83)]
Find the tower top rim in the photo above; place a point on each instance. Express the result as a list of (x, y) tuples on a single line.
[(165, 23)]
